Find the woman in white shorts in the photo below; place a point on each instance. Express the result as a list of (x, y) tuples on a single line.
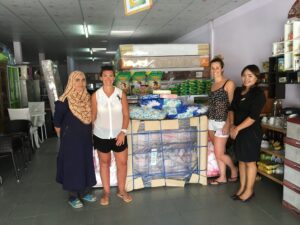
[(218, 121)]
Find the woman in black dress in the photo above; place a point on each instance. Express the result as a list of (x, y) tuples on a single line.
[(73, 124), (246, 131)]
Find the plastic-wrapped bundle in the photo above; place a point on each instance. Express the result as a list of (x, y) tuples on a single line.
[(149, 165), (180, 136), (141, 143), (151, 101), (202, 110), (149, 97), (184, 111), (180, 160), (144, 113), (171, 103), (212, 165)]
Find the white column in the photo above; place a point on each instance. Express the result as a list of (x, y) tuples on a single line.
[(18, 52), (70, 64), (41, 57), (212, 39)]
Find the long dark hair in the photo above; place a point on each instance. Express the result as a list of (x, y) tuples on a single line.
[(253, 69)]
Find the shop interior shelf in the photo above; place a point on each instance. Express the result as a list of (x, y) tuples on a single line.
[(279, 154), (275, 128), (278, 178)]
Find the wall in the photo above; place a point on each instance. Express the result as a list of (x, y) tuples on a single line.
[(88, 67), (245, 36)]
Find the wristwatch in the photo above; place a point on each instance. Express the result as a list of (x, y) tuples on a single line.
[(124, 131)]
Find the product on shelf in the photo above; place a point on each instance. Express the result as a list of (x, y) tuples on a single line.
[(154, 80), (138, 82), (139, 50), (145, 113), (123, 81), (192, 87)]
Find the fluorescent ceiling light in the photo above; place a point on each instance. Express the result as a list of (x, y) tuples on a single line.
[(98, 49), (93, 59), (85, 29), (111, 52), (91, 51), (106, 62), (121, 32)]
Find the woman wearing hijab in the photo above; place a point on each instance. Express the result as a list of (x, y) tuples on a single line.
[(72, 122)]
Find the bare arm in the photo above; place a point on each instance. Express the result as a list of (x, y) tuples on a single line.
[(125, 111), (246, 123), (57, 130), (229, 88)]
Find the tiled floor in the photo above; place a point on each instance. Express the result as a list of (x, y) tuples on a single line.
[(38, 200)]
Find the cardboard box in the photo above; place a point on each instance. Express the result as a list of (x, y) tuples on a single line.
[(140, 50)]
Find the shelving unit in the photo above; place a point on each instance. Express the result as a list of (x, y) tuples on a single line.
[(272, 152), (278, 178), (292, 45), (274, 128), (274, 177)]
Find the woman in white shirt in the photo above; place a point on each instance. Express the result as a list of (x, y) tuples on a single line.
[(110, 116)]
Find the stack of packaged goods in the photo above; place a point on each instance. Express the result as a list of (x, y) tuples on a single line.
[(139, 59), (192, 87), (122, 81), (162, 56), (138, 83), (270, 164), (165, 106)]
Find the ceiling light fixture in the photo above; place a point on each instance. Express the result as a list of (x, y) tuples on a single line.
[(93, 59), (111, 52), (121, 32), (91, 51), (85, 29), (98, 49), (106, 62)]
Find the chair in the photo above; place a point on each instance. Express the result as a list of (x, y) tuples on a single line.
[(23, 114), (37, 112), (20, 130), (6, 149)]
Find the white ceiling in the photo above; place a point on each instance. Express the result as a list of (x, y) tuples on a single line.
[(55, 26)]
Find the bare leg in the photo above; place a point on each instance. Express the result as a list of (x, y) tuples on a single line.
[(219, 146), (105, 160), (251, 170), (121, 161), (228, 162), (211, 135), (242, 172)]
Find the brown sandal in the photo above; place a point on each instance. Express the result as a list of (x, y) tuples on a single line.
[(104, 200), (125, 197)]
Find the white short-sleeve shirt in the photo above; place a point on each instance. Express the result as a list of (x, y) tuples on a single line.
[(108, 123)]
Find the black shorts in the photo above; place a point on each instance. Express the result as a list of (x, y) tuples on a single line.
[(107, 145)]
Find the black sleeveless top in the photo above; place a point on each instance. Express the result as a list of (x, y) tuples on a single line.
[(218, 104)]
